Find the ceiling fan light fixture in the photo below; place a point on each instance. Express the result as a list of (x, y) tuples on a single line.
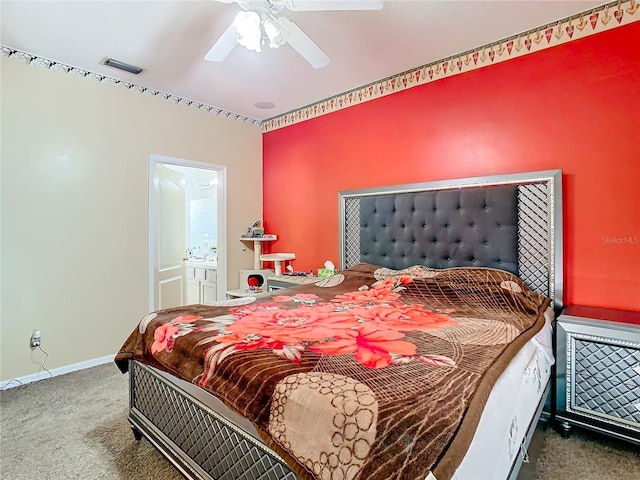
[(275, 33), (249, 30), (259, 24)]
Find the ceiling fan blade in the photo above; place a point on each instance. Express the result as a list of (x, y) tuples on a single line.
[(223, 46), (301, 42), (309, 5)]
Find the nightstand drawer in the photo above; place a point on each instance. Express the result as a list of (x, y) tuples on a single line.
[(605, 383), (612, 363)]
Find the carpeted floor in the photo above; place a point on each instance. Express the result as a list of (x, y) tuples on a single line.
[(75, 427)]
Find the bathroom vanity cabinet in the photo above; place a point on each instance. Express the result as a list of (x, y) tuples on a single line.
[(202, 282)]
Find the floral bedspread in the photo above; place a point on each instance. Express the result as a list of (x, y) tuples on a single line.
[(370, 374)]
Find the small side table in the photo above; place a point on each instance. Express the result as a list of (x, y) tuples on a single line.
[(598, 371), (240, 292), (285, 281)]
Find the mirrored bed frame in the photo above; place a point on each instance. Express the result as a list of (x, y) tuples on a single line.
[(438, 224)]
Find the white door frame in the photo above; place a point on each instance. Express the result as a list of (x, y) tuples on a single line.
[(221, 220)]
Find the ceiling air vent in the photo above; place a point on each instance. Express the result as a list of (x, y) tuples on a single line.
[(110, 62)]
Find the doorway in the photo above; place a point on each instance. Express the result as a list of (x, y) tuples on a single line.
[(187, 223)]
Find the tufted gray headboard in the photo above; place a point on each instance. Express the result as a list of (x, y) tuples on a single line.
[(510, 222)]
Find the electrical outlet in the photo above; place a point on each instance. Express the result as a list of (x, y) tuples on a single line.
[(35, 339)]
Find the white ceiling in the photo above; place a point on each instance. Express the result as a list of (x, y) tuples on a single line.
[(169, 39)]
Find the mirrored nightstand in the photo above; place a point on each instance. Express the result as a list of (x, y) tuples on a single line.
[(598, 371)]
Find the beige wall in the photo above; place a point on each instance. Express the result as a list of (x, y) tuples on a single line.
[(74, 172)]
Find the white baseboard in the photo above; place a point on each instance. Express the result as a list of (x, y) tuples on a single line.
[(16, 382)]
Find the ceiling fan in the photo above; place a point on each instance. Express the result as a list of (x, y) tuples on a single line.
[(258, 24)]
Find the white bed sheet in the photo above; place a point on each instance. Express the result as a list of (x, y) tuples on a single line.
[(510, 407)]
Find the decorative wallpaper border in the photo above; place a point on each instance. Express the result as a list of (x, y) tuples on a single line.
[(605, 17), (602, 18), (34, 60)]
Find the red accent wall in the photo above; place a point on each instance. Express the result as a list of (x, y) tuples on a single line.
[(574, 107)]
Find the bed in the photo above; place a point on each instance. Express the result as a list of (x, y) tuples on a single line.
[(428, 356)]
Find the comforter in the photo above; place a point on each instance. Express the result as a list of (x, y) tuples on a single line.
[(370, 374)]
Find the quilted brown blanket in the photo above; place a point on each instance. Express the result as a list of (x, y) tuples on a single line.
[(371, 374)]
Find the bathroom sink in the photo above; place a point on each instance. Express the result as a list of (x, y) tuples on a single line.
[(202, 263)]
